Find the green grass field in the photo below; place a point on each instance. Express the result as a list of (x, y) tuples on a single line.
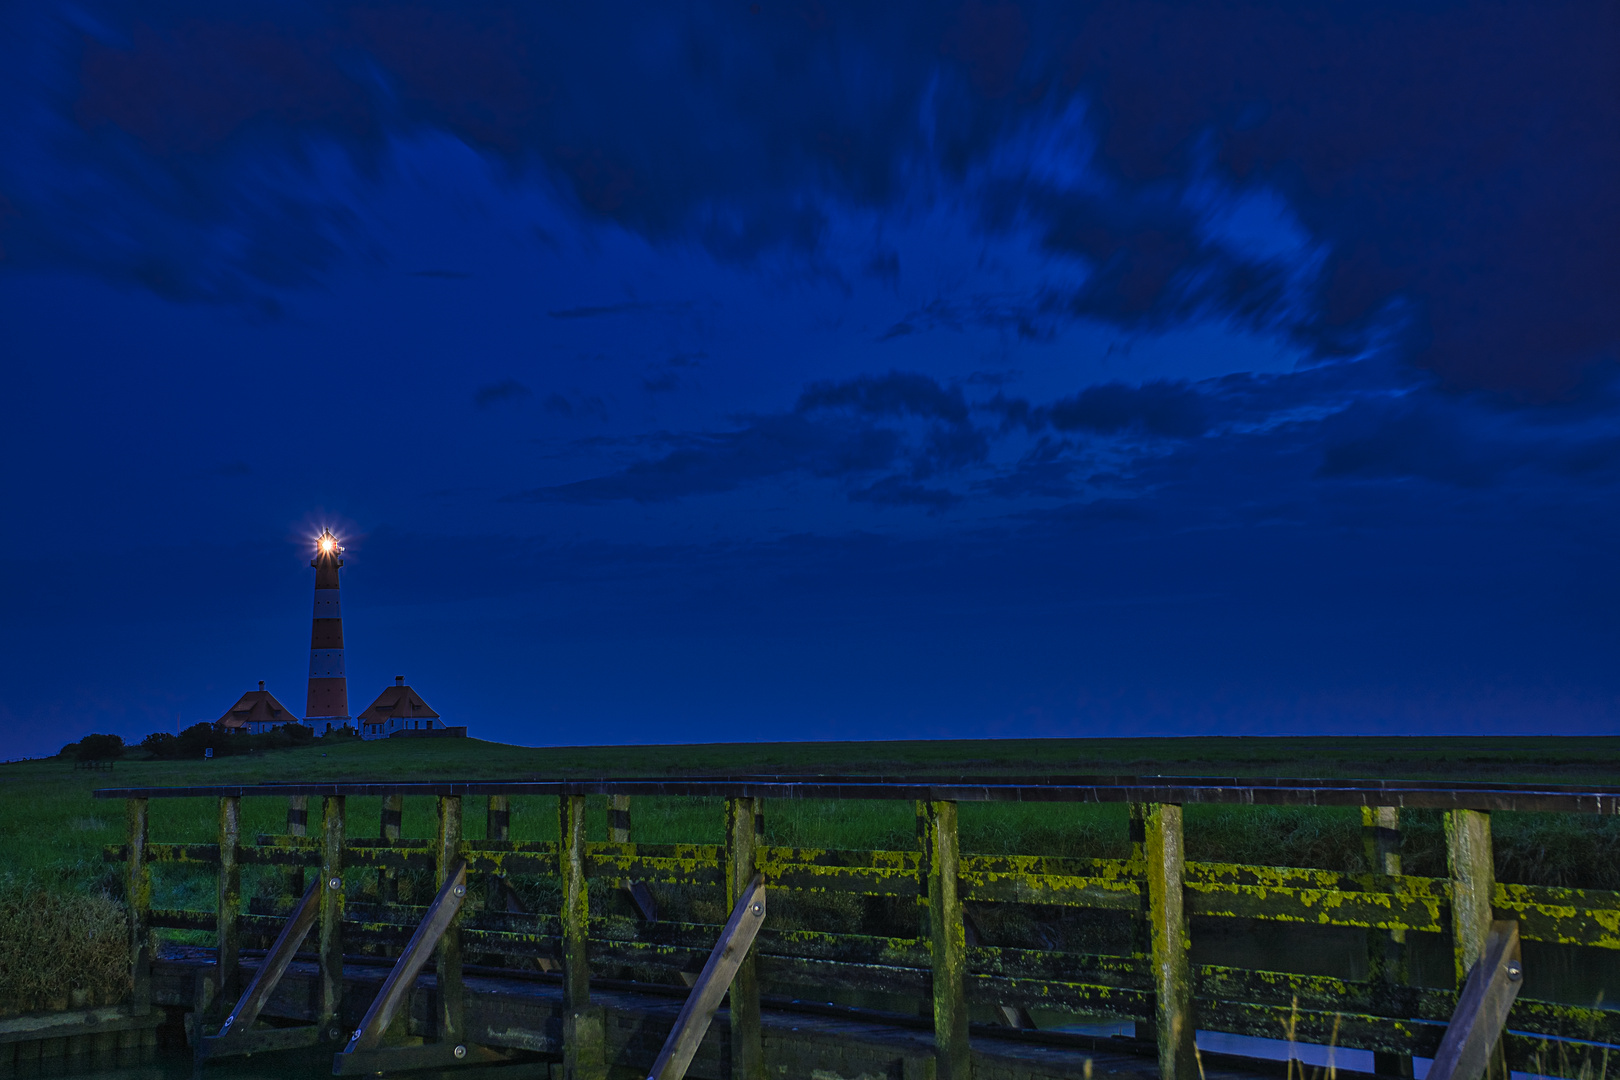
[(52, 830)]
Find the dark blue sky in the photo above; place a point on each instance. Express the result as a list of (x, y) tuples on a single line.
[(801, 370)]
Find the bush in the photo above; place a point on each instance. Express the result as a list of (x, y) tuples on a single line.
[(58, 950), (224, 741), (160, 744), (100, 748)]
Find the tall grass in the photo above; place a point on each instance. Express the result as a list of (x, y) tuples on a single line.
[(59, 948)]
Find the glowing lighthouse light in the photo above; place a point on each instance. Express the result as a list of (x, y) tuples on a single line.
[(328, 543)]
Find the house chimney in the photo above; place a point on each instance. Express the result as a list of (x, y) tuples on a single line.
[(399, 680), (261, 684), (328, 701)]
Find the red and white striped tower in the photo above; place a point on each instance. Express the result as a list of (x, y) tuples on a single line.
[(328, 705)]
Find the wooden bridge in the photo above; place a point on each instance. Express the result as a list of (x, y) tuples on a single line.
[(565, 992)]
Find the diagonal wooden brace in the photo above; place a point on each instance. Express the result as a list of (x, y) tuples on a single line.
[(235, 1036), (693, 1022), (1482, 1010), (397, 987)]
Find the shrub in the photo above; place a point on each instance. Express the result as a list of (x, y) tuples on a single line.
[(58, 949), (160, 744), (100, 747), (224, 741)]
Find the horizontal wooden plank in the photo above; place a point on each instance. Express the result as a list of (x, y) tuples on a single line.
[(288, 842), (826, 870), (852, 948), (1588, 917), (1247, 791), (511, 943), (811, 944), (535, 858), (1322, 993), (193, 854), (1549, 1057), (668, 864), (181, 919), (1351, 1030), (261, 1040), (798, 971), (1114, 884), (390, 857), (1323, 897), (1073, 996), (1035, 965), (65, 1025), (1565, 1021)]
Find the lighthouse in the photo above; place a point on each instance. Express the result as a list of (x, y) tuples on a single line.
[(328, 704)]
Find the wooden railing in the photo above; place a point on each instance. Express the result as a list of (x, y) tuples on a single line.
[(1156, 887)]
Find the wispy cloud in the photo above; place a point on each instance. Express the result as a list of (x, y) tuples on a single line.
[(505, 390)]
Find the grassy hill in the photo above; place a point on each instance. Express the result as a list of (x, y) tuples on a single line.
[(53, 830)]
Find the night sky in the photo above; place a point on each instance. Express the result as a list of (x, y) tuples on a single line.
[(730, 371)]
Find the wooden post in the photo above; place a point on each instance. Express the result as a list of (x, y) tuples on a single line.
[(948, 944), (1473, 880), (138, 893), (584, 1033), (743, 819), (619, 819), (1170, 942), (331, 951), (1141, 937), (498, 818), (229, 897), (575, 900), (393, 813), (1386, 949), (297, 825), (497, 826), (924, 863), (447, 854)]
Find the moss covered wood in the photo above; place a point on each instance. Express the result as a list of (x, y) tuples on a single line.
[(1386, 949), (330, 1003), (389, 822), (297, 825), (1369, 1015), (452, 1011), (138, 895), (1473, 885), (1170, 943), (228, 902), (584, 1025), (619, 819), (744, 823), (576, 911), (1473, 890), (497, 828), (947, 944)]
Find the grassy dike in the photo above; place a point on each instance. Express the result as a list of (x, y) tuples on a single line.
[(54, 886), (52, 830)]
